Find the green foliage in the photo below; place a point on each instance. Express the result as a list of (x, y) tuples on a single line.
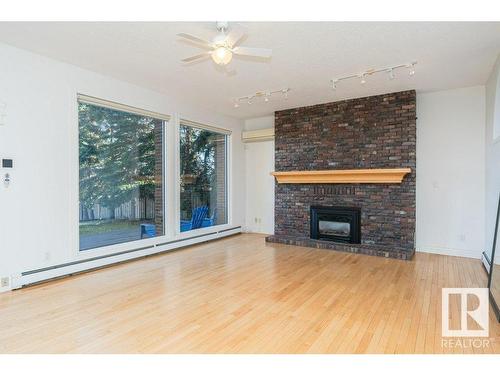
[(197, 155), (117, 156), (197, 158)]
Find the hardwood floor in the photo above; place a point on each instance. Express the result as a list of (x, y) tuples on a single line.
[(241, 295)]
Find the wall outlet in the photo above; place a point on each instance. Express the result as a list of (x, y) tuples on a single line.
[(5, 282)]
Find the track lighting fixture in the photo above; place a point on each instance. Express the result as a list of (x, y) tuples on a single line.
[(265, 95), (363, 75)]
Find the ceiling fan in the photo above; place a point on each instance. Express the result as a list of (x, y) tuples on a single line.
[(223, 46)]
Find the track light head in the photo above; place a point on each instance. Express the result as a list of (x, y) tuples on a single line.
[(363, 79), (412, 69), (391, 73)]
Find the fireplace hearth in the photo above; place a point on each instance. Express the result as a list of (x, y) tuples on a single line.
[(338, 224)]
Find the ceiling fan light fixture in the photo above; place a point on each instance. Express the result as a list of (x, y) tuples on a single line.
[(222, 56), (224, 45)]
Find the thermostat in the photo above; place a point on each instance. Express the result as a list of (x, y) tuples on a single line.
[(7, 163)]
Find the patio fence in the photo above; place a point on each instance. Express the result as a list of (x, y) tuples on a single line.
[(135, 209)]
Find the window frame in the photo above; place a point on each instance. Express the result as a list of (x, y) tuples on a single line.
[(496, 114), (121, 107), (121, 247), (228, 138), (171, 178)]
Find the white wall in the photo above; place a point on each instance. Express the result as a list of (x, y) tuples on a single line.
[(259, 158), (39, 210), (450, 172), (258, 123), (492, 154)]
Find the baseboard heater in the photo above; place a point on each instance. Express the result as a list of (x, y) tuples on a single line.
[(53, 272)]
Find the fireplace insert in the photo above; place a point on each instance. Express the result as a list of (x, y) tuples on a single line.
[(339, 224)]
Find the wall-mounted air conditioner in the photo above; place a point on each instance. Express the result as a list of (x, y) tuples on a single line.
[(258, 135)]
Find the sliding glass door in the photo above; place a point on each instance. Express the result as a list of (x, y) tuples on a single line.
[(121, 155)]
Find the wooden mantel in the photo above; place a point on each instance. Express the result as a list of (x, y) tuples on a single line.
[(345, 176)]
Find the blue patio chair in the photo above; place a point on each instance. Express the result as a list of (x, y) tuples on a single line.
[(210, 221), (148, 230), (199, 213)]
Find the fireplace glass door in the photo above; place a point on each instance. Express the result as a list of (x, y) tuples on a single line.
[(339, 224)]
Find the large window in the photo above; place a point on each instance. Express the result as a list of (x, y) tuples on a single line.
[(203, 169), (121, 174)]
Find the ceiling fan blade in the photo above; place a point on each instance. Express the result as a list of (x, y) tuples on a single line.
[(195, 39), (196, 57), (257, 52), (235, 35)]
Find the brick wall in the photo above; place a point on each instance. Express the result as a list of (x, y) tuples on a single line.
[(372, 132)]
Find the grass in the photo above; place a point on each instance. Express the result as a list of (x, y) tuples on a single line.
[(103, 226)]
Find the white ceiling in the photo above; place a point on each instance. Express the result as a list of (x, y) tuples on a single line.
[(306, 55)]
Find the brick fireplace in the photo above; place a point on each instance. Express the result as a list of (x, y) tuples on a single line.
[(375, 132)]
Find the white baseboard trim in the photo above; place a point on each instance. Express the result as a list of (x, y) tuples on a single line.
[(450, 252), (32, 277), (257, 232)]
